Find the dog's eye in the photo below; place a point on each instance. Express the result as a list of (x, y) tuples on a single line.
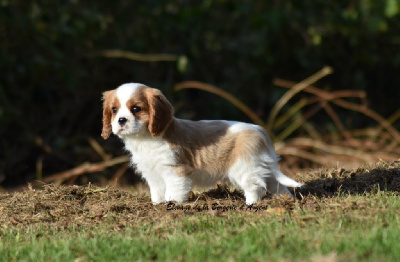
[(136, 109), (114, 110)]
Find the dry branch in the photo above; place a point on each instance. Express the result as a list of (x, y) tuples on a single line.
[(120, 172), (328, 149), (334, 98), (329, 110), (217, 91), (299, 153), (137, 56), (99, 149), (372, 114), (322, 93), (86, 168), (296, 89)]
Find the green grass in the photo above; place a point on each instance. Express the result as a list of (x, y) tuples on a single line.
[(354, 227)]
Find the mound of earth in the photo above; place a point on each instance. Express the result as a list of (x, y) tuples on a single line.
[(69, 206), (384, 176)]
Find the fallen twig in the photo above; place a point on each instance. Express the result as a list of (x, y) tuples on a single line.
[(86, 168)]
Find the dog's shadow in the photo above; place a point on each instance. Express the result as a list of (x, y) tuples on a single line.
[(329, 183), (356, 182)]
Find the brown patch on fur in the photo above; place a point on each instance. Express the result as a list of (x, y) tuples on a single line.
[(139, 99), (109, 101), (160, 110), (209, 146)]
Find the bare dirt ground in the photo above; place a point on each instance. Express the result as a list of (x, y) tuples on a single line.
[(67, 206)]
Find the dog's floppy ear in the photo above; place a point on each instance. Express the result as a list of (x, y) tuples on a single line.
[(160, 110), (107, 130)]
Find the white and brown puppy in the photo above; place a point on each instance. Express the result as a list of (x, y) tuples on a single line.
[(174, 154)]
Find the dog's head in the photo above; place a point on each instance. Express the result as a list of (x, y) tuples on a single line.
[(134, 110)]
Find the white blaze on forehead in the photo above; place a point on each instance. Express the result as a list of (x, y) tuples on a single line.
[(132, 124), (125, 91)]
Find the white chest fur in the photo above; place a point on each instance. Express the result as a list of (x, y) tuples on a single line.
[(150, 155), (154, 159)]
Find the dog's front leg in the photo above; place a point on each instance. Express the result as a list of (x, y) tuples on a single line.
[(157, 189), (177, 187)]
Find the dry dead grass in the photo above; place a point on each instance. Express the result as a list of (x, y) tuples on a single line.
[(66, 206)]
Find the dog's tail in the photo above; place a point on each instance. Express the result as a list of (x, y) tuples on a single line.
[(285, 180)]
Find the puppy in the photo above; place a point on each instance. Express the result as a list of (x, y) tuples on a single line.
[(174, 154)]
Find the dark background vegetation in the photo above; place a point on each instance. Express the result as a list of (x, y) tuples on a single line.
[(52, 74)]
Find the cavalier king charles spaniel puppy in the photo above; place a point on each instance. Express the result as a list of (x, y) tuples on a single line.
[(174, 154)]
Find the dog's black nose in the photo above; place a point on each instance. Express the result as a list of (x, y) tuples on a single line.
[(122, 120)]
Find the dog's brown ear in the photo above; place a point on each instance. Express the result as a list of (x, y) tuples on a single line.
[(160, 110), (107, 130)]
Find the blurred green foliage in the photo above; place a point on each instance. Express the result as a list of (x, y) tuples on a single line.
[(52, 76)]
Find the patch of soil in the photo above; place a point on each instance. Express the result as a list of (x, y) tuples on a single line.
[(384, 176), (68, 206)]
